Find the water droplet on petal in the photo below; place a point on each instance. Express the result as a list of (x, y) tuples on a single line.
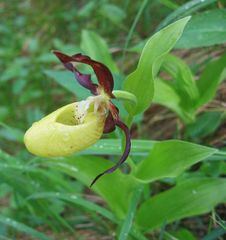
[(66, 137), (51, 126)]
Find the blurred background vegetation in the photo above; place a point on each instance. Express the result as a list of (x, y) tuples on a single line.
[(29, 30)]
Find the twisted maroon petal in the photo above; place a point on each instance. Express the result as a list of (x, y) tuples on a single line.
[(126, 131), (103, 74), (109, 125), (83, 79)]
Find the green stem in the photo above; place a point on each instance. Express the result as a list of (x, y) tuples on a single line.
[(131, 164), (124, 95), (131, 98), (129, 120)]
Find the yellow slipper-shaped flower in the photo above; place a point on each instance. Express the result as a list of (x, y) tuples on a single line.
[(78, 125), (64, 132)]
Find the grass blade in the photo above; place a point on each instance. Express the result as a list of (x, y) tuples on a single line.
[(127, 224), (142, 7), (23, 228), (75, 199)]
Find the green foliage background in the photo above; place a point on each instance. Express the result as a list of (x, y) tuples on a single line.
[(47, 198)]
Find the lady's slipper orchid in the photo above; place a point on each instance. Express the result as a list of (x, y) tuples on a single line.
[(78, 125)]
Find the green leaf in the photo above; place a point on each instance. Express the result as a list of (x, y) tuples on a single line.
[(113, 146), (213, 169), (112, 12), (167, 96), (181, 234), (185, 10), (170, 158), (170, 4), (182, 89), (140, 82), (210, 79), (86, 10), (139, 148), (115, 188), (183, 80), (205, 124), (67, 80), (204, 29), (96, 47), (192, 197), (23, 228)]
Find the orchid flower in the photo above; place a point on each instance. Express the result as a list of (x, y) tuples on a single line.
[(78, 125)]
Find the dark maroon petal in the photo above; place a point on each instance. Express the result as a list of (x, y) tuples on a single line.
[(103, 74), (83, 79), (63, 57), (121, 125), (109, 125)]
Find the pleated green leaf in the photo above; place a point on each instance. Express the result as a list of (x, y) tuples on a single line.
[(140, 82), (205, 29), (192, 197), (166, 95), (170, 158), (210, 79), (113, 146), (183, 79)]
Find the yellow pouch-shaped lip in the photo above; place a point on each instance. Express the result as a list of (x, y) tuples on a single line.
[(61, 134)]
